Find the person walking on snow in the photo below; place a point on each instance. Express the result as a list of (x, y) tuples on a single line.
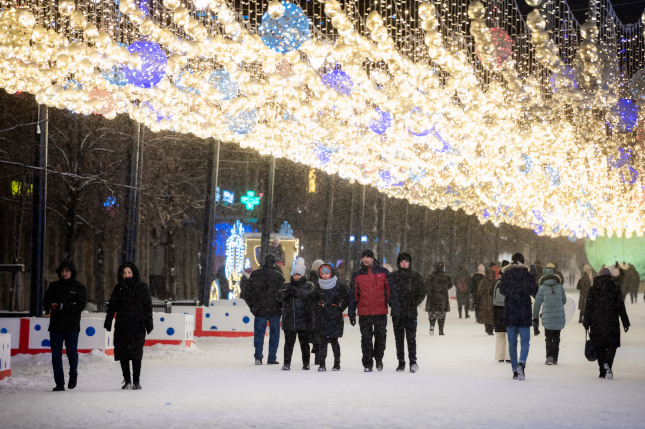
[(551, 299), (438, 303), (410, 292), (63, 302), (296, 315), (371, 291), (517, 285)]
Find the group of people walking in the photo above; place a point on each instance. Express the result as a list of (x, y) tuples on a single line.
[(310, 307)]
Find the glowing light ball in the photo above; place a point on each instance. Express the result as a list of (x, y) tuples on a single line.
[(566, 78), (417, 121), (221, 80), (286, 32), (242, 123), (499, 48), (637, 84), (153, 65), (526, 165), (624, 116), (323, 153), (382, 123), (181, 82), (339, 81), (13, 32), (102, 101), (608, 250)]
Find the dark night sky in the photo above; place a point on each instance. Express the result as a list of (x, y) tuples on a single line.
[(629, 11)]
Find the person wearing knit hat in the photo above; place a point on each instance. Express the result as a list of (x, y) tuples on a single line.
[(518, 285), (604, 310), (329, 299), (296, 315), (437, 284), (411, 293), (63, 302), (583, 285), (371, 291), (473, 286), (260, 297)]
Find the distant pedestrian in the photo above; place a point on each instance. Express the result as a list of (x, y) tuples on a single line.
[(296, 315), (63, 302), (438, 302), (371, 291), (329, 299), (485, 294), (517, 285), (605, 305), (277, 250), (550, 299), (410, 291), (583, 286), (501, 341), (463, 292), (632, 282), (131, 303), (474, 285), (261, 299)]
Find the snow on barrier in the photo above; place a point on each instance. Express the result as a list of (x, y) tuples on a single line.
[(30, 335), (172, 329), (225, 318), (5, 356)]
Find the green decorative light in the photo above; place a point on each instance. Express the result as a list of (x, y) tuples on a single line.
[(608, 250), (250, 200)]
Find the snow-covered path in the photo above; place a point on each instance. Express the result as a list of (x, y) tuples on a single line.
[(459, 384)]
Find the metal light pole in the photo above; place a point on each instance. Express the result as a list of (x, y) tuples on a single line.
[(131, 230), (330, 220), (209, 224), (267, 222), (39, 216)]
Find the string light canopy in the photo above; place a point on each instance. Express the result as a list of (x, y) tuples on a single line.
[(534, 121)]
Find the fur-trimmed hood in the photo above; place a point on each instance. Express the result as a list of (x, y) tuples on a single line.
[(513, 266)]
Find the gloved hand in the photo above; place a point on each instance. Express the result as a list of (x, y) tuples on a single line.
[(536, 324), (108, 324), (626, 328), (148, 323), (352, 320)]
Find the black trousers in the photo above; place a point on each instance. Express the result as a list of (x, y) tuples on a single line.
[(405, 327), (136, 370), (373, 334), (606, 355), (552, 339), (290, 341), (322, 349)]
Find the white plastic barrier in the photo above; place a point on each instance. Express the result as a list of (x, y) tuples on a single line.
[(5, 356), (173, 329), (225, 318)]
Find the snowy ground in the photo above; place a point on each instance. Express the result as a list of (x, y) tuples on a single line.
[(459, 385)]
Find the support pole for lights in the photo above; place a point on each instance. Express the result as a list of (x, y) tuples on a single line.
[(131, 232), (330, 220), (209, 224), (267, 222), (39, 217)]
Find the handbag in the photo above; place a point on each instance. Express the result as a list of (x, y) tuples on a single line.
[(590, 350)]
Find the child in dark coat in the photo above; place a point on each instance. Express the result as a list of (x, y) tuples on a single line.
[(330, 299)]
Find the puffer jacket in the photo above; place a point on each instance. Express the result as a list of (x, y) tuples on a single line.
[(371, 291), (551, 297), (261, 297), (70, 299), (517, 285), (329, 299), (296, 311), (409, 290)]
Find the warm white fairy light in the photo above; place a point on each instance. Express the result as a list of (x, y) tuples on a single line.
[(500, 151)]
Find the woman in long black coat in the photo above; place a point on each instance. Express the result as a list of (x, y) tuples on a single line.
[(438, 284), (132, 305), (604, 306)]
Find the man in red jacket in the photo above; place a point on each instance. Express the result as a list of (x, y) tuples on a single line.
[(372, 290)]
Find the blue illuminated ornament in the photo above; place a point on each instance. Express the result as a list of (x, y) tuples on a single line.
[(553, 174), (285, 229), (537, 225), (243, 122), (417, 117), (287, 32), (181, 84), (624, 159), (384, 121), (625, 115), (527, 164), (153, 65), (566, 78), (386, 178), (221, 80), (72, 84), (158, 115), (323, 153), (115, 76), (339, 81)]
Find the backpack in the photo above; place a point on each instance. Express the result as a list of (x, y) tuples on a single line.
[(498, 298), (462, 286)]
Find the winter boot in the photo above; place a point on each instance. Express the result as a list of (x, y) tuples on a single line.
[(379, 365), (322, 367), (127, 385), (441, 323), (336, 366), (60, 388), (136, 386), (609, 375), (367, 369), (73, 378), (286, 367), (467, 316), (258, 361), (414, 367), (305, 366), (520, 371), (549, 361), (459, 312), (432, 326), (401, 366)]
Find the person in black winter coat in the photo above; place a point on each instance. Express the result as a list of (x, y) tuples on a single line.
[(261, 299), (517, 285), (296, 315), (132, 304), (411, 292), (63, 302), (329, 299), (604, 306), (438, 284)]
